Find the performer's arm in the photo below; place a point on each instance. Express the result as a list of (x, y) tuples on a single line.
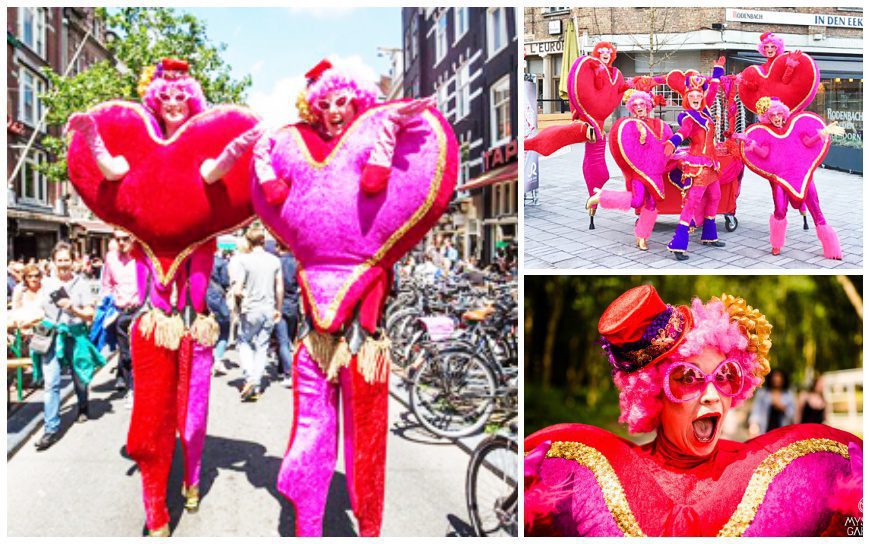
[(750, 146), (601, 74), (810, 139), (279, 293), (274, 188), (376, 172), (792, 60), (214, 169), (718, 72), (112, 168), (678, 137)]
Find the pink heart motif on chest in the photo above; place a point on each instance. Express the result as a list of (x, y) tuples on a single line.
[(594, 104), (163, 200), (344, 239), (640, 152), (790, 161), (796, 93)]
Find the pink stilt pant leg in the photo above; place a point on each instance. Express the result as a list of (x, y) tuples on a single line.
[(309, 462), (594, 167), (193, 436)]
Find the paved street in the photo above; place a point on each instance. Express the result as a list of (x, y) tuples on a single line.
[(85, 485), (557, 235)]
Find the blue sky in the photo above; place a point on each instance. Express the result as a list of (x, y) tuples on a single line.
[(276, 46)]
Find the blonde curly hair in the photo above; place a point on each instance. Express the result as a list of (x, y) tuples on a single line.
[(756, 327)]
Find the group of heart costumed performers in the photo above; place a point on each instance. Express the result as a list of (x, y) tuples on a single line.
[(679, 371), (650, 155), (176, 174)]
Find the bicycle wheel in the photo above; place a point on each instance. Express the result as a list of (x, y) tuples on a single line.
[(491, 487), (453, 394)]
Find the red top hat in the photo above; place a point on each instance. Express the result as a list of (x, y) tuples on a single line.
[(638, 329)]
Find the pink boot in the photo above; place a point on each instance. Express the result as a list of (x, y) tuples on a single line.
[(777, 233), (645, 223), (830, 242), (615, 200)]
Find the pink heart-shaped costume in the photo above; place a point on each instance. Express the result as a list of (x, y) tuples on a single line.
[(594, 105), (640, 152), (344, 240), (797, 93), (163, 200), (789, 162)]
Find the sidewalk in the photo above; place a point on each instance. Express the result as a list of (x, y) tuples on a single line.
[(85, 485), (557, 235)]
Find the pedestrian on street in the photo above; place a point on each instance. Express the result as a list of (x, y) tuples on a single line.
[(261, 285), (67, 305), (13, 277), (216, 297), (121, 283), (285, 328)]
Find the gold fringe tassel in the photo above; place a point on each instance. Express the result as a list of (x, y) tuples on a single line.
[(331, 353), (205, 330), (167, 329)]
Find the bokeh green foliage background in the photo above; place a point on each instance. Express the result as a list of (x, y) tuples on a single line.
[(817, 327)]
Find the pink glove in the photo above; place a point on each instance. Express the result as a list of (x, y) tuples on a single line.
[(112, 168), (274, 188), (792, 60), (214, 169)]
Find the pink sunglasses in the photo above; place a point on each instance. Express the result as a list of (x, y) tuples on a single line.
[(684, 381)]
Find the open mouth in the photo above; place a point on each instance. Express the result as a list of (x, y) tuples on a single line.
[(705, 427)]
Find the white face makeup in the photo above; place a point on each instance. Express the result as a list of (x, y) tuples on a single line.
[(337, 112), (605, 55), (695, 425), (639, 110), (173, 107), (696, 99), (777, 119), (769, 50)]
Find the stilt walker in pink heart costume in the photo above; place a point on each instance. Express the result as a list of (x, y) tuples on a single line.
[(349, 190), (786, 149), (699, 166), (636, 145), (595, 88), (175, 175)]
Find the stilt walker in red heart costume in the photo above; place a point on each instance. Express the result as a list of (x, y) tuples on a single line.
[(680, 370), (773, 149), (699, 166), (349, 190), (643, 187), (114, 169)]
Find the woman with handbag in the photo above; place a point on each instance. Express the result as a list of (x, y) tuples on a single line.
[(61, 341)]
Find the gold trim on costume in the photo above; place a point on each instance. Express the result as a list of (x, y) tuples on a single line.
[(762, 477), (812, 89), (769, 469), (612, 81), (325, 322), (773, 177)]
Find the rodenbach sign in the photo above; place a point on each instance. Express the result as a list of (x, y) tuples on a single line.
[(500, 155), (790, 18)]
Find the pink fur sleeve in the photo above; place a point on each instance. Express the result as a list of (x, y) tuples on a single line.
[(263, 160), (810, 139), (236, 148), (84, 124)]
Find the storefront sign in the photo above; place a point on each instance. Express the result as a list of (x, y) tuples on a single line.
[(847, 120), (554, 27), (543, 48), (789, 18), (499, 156)]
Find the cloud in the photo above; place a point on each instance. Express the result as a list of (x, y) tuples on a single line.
[(255, 69), (278, 105)]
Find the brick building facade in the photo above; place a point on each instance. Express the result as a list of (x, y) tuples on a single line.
[(695, 37), (41, 212)]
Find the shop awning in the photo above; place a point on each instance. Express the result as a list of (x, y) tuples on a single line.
[(503, 173), (97, 227)]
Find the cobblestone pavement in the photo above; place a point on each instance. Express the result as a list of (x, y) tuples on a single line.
[(557, 235)]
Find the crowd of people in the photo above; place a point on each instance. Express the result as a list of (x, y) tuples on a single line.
[(441, 260), (71, 313)]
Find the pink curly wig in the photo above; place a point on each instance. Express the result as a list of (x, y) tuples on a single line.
[(770, 37), (641, 395), (776, 106), (196, 101), (364, 94), (639, 96)]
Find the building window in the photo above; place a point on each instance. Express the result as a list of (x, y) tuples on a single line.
[(504, 199), (31, 28), (440, 38), (441, 97), (30, 86), (32, 185), (554, 11), (460, 23), (500, 111), (496, 30), (463, 91), (411, 43)]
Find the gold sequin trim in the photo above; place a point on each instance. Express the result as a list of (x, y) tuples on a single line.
[(767, 471), (608, 481)]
